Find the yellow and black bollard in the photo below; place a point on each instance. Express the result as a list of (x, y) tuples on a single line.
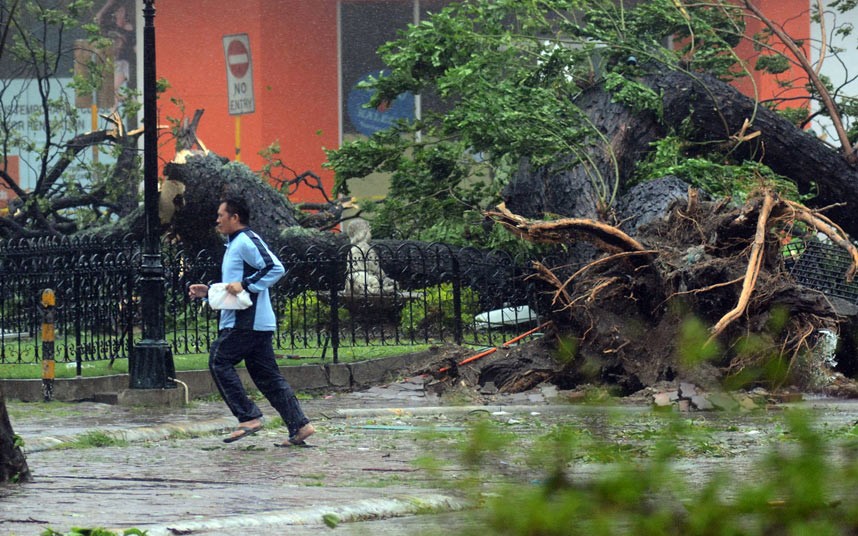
[(48, 302)]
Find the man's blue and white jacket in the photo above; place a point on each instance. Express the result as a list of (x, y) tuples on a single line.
[(248, 259)]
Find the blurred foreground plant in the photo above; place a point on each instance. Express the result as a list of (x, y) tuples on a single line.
[(577, 480)]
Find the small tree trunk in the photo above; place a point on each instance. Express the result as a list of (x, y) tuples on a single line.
[(13, 464)]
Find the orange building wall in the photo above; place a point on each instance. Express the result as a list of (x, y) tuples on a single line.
[(794, 15), (294, 52)]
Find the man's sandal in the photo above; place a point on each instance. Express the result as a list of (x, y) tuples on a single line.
[(243, 431)]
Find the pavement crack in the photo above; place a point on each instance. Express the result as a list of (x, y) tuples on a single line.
[(150, 479), (28, 520)]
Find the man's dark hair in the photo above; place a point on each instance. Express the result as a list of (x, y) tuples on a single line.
[(236, 204)]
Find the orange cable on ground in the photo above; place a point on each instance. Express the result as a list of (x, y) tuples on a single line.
[(504, 345)]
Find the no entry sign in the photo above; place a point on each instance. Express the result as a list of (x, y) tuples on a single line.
[(239, 74)]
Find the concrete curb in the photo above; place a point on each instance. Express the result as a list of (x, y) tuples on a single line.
[(143, 433), (365, 510), (197, 383)]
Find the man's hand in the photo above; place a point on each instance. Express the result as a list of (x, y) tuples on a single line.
[(234, 288), (198, 291)]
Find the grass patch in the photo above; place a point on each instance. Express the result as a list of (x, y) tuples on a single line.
[(95, 439), (37, 410), (200, 361)]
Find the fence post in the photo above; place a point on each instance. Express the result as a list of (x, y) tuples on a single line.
[(78, 342), (335, 312), (48, 302), (457, 299)]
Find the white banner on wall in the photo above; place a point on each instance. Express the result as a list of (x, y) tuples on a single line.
[(23, 104)]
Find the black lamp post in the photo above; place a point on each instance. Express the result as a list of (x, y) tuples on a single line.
[(151, 364)]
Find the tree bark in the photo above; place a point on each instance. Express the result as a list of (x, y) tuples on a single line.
[(206, 179), (13, 464), (584, 191), (716, 111)]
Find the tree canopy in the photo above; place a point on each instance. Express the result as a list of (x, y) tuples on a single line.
[(513, 77), (55, 57)]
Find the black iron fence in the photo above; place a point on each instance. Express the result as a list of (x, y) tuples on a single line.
[(821, 265), (405, 294)]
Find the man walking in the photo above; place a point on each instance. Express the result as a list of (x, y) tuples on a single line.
[(248, 264)]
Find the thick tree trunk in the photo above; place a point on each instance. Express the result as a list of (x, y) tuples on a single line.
[(13, 464), (586, 190), (206, 179), (716, 112)]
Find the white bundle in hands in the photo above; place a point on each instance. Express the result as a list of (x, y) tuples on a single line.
[(220, 298)]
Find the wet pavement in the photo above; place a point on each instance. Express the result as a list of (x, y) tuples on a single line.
[(168, 472)]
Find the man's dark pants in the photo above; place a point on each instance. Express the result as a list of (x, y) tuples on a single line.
[(255, 348)]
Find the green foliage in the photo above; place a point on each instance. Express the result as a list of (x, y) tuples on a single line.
[(712, 173), (633, 94), (774, 63), (437, 308), (508, 73), (549, 486), (331, 520), (357, 159), (694, 345), (96, 438), (303, 313)]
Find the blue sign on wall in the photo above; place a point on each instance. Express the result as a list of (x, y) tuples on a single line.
[(370, 120)]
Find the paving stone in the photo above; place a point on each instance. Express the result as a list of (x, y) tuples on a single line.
[(662, 399), (723, 401), (701, 402), (687, 390), (489, 388)]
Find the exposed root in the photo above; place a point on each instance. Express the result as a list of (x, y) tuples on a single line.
[(609, 258), (606, 237), (753, 270), (798, 345), (595, 291), (704, 289), (545, 273), (717, 263)]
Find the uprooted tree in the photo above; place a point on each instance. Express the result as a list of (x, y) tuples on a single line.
[(569, 105), (703, 289)]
